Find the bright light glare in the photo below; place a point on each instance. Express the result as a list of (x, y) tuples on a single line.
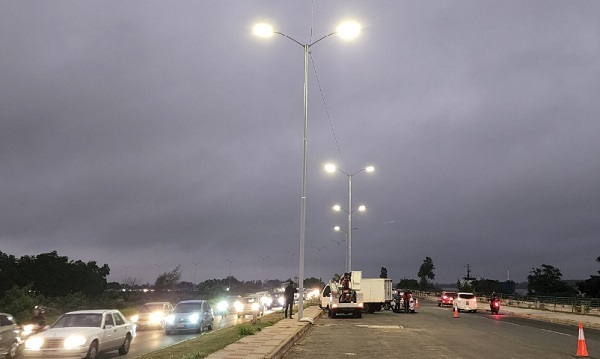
[(263, 30), (34, 343), (337, 207), (74, 341), (330, 167), (370, 169), (348, 30), (337, 228), (362, 208), (194, 318)]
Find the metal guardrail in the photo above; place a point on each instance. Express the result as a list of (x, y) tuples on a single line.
[(555, 304), (588, 306)]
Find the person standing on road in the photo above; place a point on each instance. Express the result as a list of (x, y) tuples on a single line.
[(397, 302), (288, 295), (406, 297)]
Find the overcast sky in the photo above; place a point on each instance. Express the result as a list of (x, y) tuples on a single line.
[(151, 134)]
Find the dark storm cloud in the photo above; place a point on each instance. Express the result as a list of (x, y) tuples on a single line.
[(147, 135)]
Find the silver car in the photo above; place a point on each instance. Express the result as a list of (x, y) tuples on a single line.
[(9, 336), (190, 315), (82, 334)]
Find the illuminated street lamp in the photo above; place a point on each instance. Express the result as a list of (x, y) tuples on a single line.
[(346, 30), (332, 168)]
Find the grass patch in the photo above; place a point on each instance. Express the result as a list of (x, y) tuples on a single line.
[(204, 345)]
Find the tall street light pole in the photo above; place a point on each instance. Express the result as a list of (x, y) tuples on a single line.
[(332, 168), (346, 30)]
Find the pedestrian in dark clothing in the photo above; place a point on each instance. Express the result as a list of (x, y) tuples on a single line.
[(288, 294), (397, 302)]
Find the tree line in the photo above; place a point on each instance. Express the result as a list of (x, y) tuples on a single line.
[(52, 275), (543, 281)]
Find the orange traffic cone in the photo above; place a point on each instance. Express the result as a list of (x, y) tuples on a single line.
[(455, 312), (417, 304), (581, 347)]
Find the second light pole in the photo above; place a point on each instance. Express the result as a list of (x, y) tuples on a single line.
[(331, 168)]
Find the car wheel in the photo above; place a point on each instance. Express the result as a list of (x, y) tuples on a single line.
[(359, 314), (13, 351), (168, 332), (124, 349), (333, 315), (199, 330), (439, 304), (475, 311), (93, 351)]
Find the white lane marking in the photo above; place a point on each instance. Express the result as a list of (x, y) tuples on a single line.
[(552, 331)]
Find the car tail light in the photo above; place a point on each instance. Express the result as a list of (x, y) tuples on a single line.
[(445, 297), (496, 304)]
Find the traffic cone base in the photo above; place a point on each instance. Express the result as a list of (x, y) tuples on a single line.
[(455, 313), (581, 346)]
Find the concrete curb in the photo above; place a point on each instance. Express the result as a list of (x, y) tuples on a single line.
[(279, 352)]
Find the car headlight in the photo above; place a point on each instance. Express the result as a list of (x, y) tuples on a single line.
[(34, 343), (281, 301), (74, 341), (135, 318), (170, 319), (266, 300), (194, 318), (222, 306), (255, 307), (156, 317), (27, 329), (238, 306)]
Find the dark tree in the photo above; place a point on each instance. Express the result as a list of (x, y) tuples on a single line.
[(547, 280), (591, 286), (426, 273), (168, 280), (406, 283)]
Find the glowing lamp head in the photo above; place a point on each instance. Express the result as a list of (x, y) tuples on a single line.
[(337, 207), (370, 169), (348, 30), (337, 228), (330, 167), (362, 208), (263, 30)]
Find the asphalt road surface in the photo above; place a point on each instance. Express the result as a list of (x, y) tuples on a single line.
[(433, 332), (147, 341)]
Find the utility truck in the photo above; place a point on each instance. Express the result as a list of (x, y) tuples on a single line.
[(343, 297), (376, 293)]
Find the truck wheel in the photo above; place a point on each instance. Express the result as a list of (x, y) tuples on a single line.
[(333, 315), (359, 314), (329, 313)]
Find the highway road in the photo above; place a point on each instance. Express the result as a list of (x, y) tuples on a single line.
[(433, 332), (147, 341)]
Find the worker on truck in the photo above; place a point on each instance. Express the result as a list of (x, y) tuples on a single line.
[(347, 295)]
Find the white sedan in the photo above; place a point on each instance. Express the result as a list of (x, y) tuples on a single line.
[(82, 334)]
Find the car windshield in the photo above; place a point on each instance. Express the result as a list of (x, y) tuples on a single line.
[(466, 296), (79, 320), (188, 307), (149, 308)]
